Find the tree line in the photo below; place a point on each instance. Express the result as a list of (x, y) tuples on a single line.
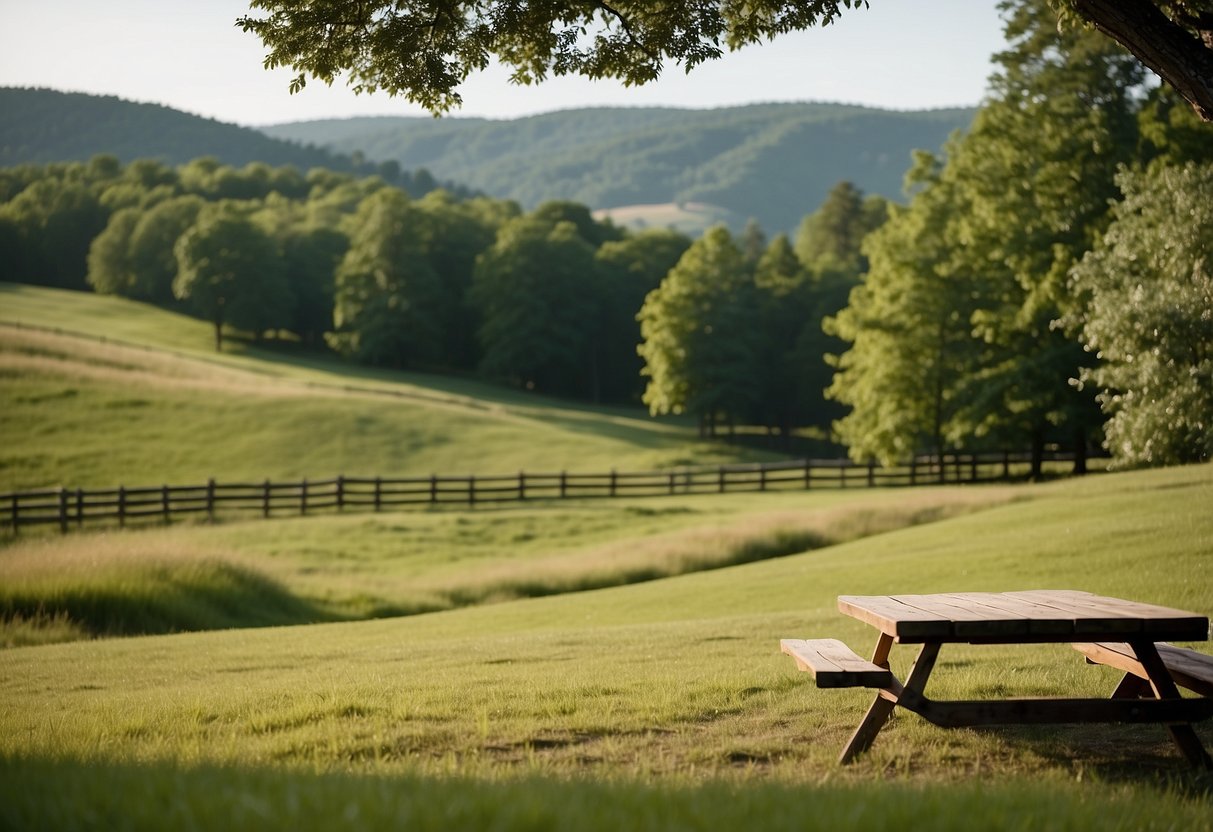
[(546, 300), (1048, 281)]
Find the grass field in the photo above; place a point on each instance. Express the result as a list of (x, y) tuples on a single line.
[(661, 705), (154, 404), (304, 570), (575, 665)]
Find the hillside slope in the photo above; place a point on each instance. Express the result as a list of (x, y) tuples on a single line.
[(772, 162), (130, 394), (40, 125)]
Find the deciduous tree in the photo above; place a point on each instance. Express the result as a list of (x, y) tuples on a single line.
[(387, 293), (229, 270), (425, 50), (700, 340), (1150, 317)]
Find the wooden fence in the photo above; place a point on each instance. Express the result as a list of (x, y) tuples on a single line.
[(72, 508)]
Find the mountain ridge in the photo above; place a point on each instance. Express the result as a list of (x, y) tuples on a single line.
[(771, 161)]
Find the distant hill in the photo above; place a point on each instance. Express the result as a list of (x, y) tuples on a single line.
[(40, 125), (772, 162)]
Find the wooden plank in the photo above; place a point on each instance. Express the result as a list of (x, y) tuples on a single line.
[(973, 713), (834, 665), (1188, 668), (969, 620), (1101, 613), (1041, 620), (904, 623), (1087, 618)]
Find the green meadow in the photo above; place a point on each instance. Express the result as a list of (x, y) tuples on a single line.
[(565, 665), (101, 392)]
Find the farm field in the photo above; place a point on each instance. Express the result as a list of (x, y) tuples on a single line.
[(663, 704)]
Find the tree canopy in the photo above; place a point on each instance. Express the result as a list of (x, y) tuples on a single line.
[(424, 49)]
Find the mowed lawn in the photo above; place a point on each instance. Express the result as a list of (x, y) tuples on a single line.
[(659, 705)]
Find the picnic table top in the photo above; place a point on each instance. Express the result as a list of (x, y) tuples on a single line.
[(1045, 615)]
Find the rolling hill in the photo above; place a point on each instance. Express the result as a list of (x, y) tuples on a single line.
[(771, 162), (99, 390), (38, 126)]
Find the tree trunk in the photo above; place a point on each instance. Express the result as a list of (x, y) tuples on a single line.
[(1038, 454), (1080, 452)]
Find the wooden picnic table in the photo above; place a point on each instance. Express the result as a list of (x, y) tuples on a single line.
[(1041, 616)]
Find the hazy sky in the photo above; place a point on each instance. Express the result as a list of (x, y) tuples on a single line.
[(188, 54)]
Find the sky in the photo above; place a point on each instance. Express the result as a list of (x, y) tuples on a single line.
[(190, 55)]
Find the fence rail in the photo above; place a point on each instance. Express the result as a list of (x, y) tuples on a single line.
[(73, 508)]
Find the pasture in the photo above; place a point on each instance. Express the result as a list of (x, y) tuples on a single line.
[(588, 665)]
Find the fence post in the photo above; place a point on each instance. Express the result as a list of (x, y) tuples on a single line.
[(79, 508), (1006, 465), (210, 500), (720, 478), (871, 473), (842, 472), (378, 492), (943, 467), (121, 506), (913, 469), (472, 490), (63, 510), (973, 467), (613, 478), (16, 501), (265, 498), (671, 483), (808, 474), (164, 507), (303, 497), (564, 484), (762, 477), (433, 488), (340, 492), (521, 485)]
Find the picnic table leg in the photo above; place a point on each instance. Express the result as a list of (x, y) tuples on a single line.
[(1164, 688), (1132, 687), (886, 699)]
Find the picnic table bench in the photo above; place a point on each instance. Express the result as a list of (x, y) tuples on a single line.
[(1124, 634)]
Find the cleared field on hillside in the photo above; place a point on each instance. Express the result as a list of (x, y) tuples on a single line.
[(159, 408), (667, 691)]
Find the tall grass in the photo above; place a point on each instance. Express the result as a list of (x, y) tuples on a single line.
[(316, 569)]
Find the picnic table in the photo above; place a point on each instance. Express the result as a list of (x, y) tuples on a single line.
[(1125, 634)]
